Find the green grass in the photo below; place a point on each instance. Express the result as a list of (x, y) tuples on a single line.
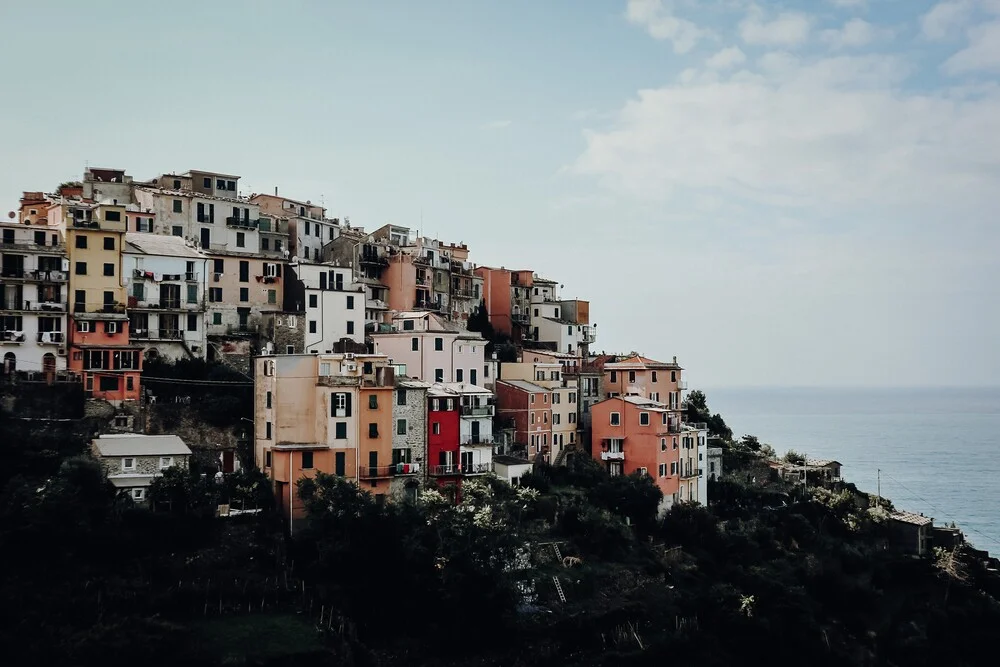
[(258, 636)]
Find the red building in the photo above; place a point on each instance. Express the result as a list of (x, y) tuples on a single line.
[(443, 430), (101, 354), (529, 407)]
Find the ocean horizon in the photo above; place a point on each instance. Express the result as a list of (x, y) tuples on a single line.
[(936, 447)]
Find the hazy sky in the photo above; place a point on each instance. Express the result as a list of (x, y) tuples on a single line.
[(797, 193)]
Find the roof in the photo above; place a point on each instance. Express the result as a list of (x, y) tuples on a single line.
[(524, 385), (131, 444), (510, 460), (157, 244), (464, 388), (288, 199), (121, 317), (191, 193), (821, 463), (128, 481), (911, 518), (639, 361), (189, 172), (643, 402)]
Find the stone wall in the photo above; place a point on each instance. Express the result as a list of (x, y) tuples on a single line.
[(415, 438), (284, 330), (144, 465)]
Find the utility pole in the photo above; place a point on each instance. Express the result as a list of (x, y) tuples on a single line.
[(878, 487)]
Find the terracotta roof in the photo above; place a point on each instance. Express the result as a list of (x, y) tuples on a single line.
[(911, 518)]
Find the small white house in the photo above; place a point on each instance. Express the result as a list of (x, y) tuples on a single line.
[(132, 461), (510, 468)]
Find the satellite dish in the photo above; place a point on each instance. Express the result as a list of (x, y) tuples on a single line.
[(11, 215)]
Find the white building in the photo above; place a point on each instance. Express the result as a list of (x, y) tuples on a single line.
[(510, 468), (435, 350), (131, 462), (332, 304), (308, 226), (165, 277), (563, 324), (475, 426), (33, 296)]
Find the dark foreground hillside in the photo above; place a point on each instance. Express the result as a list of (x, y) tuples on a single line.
[(768, 575)]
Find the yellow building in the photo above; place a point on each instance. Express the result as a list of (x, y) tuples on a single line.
[(95, 234)]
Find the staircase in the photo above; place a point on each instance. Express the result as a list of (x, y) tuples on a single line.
[(559, 590)]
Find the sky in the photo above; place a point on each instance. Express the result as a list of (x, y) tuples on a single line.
[(779, 194)]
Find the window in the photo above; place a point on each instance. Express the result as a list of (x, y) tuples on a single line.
[(244, 294), (545, 417), (556, 418), (373, 402), (265, 244), (244, 272), (109, 269), (439, 375), (128, 463), (109, 242), (373, 430), (241, 240), (472, 376), (267, 459), (110, 327), (220, 184), (340, 405), (654, 376), (407, 325), (643, 419), (324, 369), (313, 301), (206, 183), (663, 470), (231, 186), (673, 376), (414, 344), (216, 318), (192, 322), (631, 377), (218, 265), (138, 494), (400, 427), (532, 417), (83, 327), (664, 417), (616, 418), (350, 328), (673, 467), (215, 295), (663, 444), (166, 462), (177, 230), (642, 471), (81, 268), (307, 460), (675, 443), (439, 344), (350, 303), (341, 432), (436, 428), (272, 296), (267, 400), (178, 206), (81, 241), (400, 397), (312, 326), (532, 398), (614, 376), (307, 228), (459, 375)]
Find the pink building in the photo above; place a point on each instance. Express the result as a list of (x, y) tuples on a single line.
[(434, 350), (529, 407)]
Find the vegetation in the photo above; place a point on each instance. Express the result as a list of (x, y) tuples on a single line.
[(768, 574)]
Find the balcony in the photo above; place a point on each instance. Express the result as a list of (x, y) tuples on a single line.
[(701, 426), (50, 337), (242, 329), (463, 294), (477, 440), (690, 473), (612, 456), (205, 218), (521, 318), (137, 333), (477, 468), (14, 304), (373, 259), (376, 472), (589, 334), (477, 410), (35, 276), (169, 334), (445, 470), (11, 337), (242, 223)]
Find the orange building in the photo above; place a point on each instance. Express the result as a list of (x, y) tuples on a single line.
[(328, 413)]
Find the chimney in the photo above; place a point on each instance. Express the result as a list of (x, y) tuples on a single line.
[(275, 190)]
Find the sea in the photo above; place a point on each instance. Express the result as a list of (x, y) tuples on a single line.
[(932, 450)]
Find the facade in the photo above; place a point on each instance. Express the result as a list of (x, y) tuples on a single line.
[(909, 532), (98, 328), (331, 304), (241, 289), (33, 291), (433, 349), (131, 462), (693, 484), (526, 405), (165, 277), (308, 227), (713, 455), (476, 409), (331, 413), (409, 434), (510, 468), (368, 259), (563, 400), (443, 437), (560, 325), (635, 434)]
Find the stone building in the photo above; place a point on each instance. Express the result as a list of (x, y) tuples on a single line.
[(131, 461)]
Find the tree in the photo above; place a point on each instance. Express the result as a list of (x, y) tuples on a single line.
[(480, 321), (697, 411)]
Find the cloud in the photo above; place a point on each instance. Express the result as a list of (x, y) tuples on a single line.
[(726, 58), (660, 22), (982, 52), (855, 33), (787, 29), (498, 124), (820, 137), (849, 3), (946, 18)]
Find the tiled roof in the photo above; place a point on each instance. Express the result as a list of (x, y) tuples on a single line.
[(524, 385), (911, 518), (130, 444)]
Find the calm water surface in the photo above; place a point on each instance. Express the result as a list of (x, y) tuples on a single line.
[(938, 449)]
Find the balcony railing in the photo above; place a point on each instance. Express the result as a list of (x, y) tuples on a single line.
[(463, 293), (439, 471), (691, 472), (12, 304), (522, 318), (612, 456), (682, 384), (242, 223), (50, 337), (393, 470), (11, 337), (169, 334), (374, 259), (477, 410), (701, 426), (477, 440), (477, 468), (242, 329)]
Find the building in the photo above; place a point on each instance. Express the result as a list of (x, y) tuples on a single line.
[(434, 350), (308, 227), (526, 406), (443, 436), (330, 413), (909, 532), (409, 434), (475, 426), (632, 433), (563, 401), (165, 277), (507, 296), (132, 462), (368, 258), (98, 328), (713, 456), (33, 291), (329, 301), (511, 468), (693, 485), (560, 325)]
